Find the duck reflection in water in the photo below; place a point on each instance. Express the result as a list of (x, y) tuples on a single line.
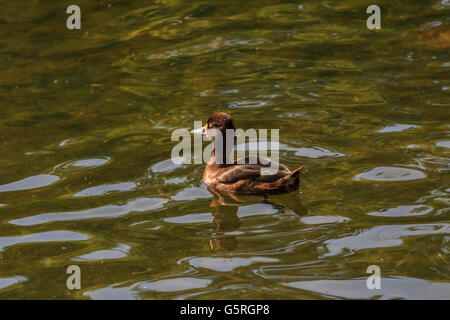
[(226, 218)]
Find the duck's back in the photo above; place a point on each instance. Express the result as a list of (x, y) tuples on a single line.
[(252, 178)]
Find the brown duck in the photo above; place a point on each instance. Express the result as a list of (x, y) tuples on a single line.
[(242, 177)]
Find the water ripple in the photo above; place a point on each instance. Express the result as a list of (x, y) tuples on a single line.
[(397, 128), (116, 292), (82, 164), (110, 211), (49, 236), (403, 211), (226, 264), (323, 219), (10, 281), (317, 152), (191, 193), (248, 104), (118, 252), (29, 183), (391, 288), (390, 174), (383, 236), (106, 188), (190, 218)]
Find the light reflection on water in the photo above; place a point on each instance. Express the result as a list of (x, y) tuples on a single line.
[(86, 176)]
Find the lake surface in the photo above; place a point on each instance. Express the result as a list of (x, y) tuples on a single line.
[(86, 179)]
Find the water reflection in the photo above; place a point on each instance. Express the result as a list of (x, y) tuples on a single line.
[(390, 174), (131, 292), (118, 252), (228, 210), (10, 281), (77, 165), (107, 188), (392, 288), (403, 211), (85, 170), (28, 183), (383, 236), (109, 211), (49, 236)]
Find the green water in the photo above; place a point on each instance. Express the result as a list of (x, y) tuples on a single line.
[(86, 118)]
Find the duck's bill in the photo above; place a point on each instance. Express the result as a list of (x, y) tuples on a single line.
[(199, 131)]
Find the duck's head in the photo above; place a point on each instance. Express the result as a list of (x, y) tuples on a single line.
[(218, 121)]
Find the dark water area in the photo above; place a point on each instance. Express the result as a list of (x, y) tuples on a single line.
[(86, 176)]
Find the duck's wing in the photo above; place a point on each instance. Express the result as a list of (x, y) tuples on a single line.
[(251, 171), (260, 161)]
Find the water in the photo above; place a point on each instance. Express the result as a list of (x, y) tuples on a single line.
[(86, 178)]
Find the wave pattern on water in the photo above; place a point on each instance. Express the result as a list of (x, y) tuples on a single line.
[(85, 144)]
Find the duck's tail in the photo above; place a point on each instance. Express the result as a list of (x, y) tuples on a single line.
[(292, 180), (301, 170)]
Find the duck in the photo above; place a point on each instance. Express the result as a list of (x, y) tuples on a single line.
[(248, 176)]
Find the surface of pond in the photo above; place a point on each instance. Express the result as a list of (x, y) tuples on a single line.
[(86, 178)]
